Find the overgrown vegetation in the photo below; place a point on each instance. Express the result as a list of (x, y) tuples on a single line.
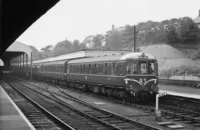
[(180, 71), (196, 55), (182, 30)]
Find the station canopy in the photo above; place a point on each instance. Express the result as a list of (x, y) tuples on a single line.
[(19, 15), (19, 47), (15, 50)]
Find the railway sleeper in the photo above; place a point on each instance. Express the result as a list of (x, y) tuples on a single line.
[(116, 122), (107, 119), (103, 116)]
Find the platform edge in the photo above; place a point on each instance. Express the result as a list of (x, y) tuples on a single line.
[(18, 110)]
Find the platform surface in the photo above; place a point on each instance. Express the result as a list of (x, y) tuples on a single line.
[(11, 118), (179, 90)]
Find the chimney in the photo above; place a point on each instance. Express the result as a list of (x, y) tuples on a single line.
[(113, 27)]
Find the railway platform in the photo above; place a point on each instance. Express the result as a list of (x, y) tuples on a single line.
[(180, 90), (11, 117)]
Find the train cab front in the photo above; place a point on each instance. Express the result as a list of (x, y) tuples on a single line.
[(142, 77)]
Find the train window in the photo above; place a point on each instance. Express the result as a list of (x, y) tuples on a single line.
[(76, 69), (101, 68), (109, 67), (105, 69), (152, 67), (131, 68), (113, 69), (79, 69), (86, 69), (134, 68), (83, 71), (98, 69), (62, 68), (89, 69), (72, 69), (121, 69), (143, 67), (95, 69)]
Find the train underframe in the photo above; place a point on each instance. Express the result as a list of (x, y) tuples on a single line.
[(110, 91)]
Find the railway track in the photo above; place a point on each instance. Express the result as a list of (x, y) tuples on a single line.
[(76, 119), (39, 117), (169, 112), (102, 116)]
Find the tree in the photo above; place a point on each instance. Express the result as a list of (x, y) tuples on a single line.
[(63, 47), (188, 31), (196, 55), (47, 51), (98, 41), (128, 35), (36, 55), (88, 41), (114, 40), (95, 42), (171, 35), (76, 45)]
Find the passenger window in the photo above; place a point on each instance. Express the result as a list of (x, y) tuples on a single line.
[(109, 68), (105, 69), (113, 69), (83, 69), (99, 69), (94, 68), (89, 68), (121, 69)]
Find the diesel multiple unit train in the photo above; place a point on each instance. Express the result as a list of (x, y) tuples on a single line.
[(132, 76)]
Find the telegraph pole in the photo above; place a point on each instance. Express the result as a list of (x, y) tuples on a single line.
[(134, 45)]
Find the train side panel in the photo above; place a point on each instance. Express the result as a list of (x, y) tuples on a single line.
[(105, 80)]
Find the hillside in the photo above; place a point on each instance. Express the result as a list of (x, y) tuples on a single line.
[(172, 60)]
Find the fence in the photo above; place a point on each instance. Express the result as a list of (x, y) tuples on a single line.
[(186, 80)]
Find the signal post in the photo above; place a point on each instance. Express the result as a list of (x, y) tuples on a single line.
[(158, 116)]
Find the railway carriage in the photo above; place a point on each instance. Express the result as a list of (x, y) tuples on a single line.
[(132, 75)]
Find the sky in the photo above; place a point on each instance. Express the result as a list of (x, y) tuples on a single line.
[(77, 19)]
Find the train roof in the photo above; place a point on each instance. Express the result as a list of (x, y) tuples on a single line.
[(118, 57), (80, 54)]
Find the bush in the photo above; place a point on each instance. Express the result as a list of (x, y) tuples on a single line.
[(180, 71), (196, 55)]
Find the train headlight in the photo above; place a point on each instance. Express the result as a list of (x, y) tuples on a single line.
[(126, 82)]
